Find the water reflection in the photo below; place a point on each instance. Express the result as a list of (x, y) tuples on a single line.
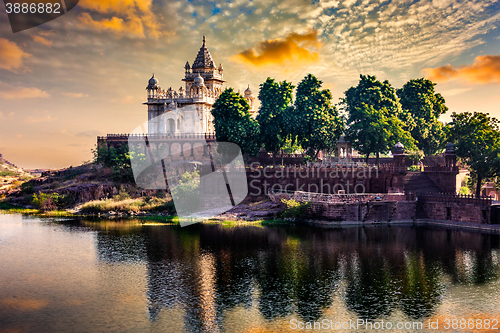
[(207, 278), (209, 270)]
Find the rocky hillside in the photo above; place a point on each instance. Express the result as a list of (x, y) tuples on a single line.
[(10, 176), (77, 184)]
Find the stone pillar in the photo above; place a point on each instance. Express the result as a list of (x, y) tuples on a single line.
[(398, 155), (449, 155)]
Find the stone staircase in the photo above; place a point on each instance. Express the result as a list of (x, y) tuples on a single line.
[(419, 182)]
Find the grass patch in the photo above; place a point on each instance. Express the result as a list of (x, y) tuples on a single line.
[(145, 204), (8, 173), (56, 213), (169, 219)]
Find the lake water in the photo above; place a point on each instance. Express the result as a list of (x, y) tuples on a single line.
[(122, 276)]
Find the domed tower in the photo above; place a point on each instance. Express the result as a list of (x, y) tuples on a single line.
[(155, 106), (153, 87), (204, 83), (204, 66), (250, 100)]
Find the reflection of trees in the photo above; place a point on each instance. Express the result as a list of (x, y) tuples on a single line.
[(207, 269), (276, 287), (369, 291), (315, 285), (234, 281), (421, 287), (473, 267)]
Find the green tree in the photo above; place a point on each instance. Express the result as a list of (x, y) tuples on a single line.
[(375, 119), (233, 123), (275, 98), (477, 142), (419, 98), (316, 122), (118, 159)]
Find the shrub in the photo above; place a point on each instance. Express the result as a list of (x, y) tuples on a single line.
[(122, 195), (413, 168), (464, 190), (28, 188), (295, 210), (415, 155), (187, 192), (51, 201)]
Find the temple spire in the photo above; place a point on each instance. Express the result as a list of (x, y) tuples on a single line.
[(204, 39)]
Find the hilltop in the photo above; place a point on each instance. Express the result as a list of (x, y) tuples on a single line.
[(10, 175)]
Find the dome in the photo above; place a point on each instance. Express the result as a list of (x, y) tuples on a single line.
[(198, 81), (153, 83), (248, 91), (399, 148), (450, 147)]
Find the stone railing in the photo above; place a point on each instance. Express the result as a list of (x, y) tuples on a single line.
[(277, 196), (451, 197), (441, 168), (180, 136)]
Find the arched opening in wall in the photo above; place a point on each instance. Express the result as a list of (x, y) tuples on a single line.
[(175, 151), (186, 148), (162, 151), (198, 150), (171, 126)]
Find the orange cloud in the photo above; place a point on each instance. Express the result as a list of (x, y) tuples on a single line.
[(293, 48), (22, 93), (11, 55), (128, 17), (42, 40), (485, 69)]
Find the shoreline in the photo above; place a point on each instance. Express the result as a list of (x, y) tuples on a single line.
[(163, 219)]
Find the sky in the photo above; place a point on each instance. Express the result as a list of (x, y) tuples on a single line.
[(84, 74)]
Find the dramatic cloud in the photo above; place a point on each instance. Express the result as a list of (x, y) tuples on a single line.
[(134, 18), (23, 92), (42, 40), (291, 50), (485, 69), (11, 55)]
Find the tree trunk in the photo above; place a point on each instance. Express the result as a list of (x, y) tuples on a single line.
[(378, 158), (367, 157), (478, 186), (274, 158)]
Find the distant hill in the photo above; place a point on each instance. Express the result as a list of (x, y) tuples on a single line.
[(10, 174)]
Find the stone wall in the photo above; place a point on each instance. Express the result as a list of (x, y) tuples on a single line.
[(453, 211), (372, 211), (446, 180), (325, 180)]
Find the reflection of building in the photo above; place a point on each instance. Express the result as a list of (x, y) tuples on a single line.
[(203, 85)]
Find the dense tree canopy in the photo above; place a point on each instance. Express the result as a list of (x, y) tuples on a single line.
[(477, 141), (233, 123), (419, 98), (375, 119), (316, 121), (275, 99)]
